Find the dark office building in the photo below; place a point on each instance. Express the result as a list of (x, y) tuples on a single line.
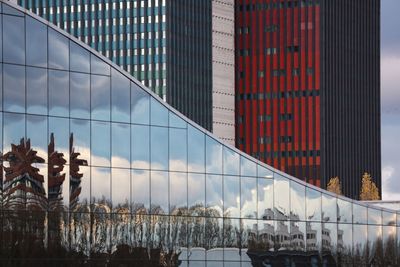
[(166, 44), (308, 88)]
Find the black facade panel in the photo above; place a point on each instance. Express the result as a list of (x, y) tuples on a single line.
[(189, 59), (350, 92)]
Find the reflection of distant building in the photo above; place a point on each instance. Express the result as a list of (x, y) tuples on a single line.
[(311, 237), (297, 237)]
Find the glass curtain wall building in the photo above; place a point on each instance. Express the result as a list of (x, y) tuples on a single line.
[(98, 170), (166, 44)]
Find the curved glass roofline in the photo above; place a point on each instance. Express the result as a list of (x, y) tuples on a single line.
[(151, 93)]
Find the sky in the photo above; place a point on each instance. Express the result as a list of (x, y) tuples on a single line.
[(390, 97)]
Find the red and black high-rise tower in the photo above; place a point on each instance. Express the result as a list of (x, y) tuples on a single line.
[(308, 87)]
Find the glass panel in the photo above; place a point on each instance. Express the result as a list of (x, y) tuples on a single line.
[(121, 145), (159, 113), (178, 238), (13, 39), (120, 236), (360, 247), (298, 201), (281, 200), (247, 167), (80, 95), (59, 138), (120, 95), (101, 190), (80, 142), (79, 187), (98, 66), (177, 149), (140, 146), (329, 208), (313, 240), (232, 241), (248, 198), (282, 235), (100, 97), (36, 90), (313, 204), (344, 211), (298, 236), (266, 234), (14, 131), (101, 143), (374, 216), (1, 40), (248, 237), (389, 218), (101, 235), (14, 88), (231, 162), (196, 239), (80, 58), (159, 192), (140, 191), (196, 194), (11, 10), (36, 129), (329, 242), (80, 233), (140, 105), (36, 37), (175, 121), (265, 199), (389, 245), (196, 150), (159, 148), (345, 244), (214, 199), (359, 214), (58, 50), (375, 243), (213, 240), (178, 193), (231, 196), (59, 93), (121, 190), (141, 227), (213, 156), (264, 172)]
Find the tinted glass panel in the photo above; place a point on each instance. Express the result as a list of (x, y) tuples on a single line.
[(178, 193), (140, 105), (248, 198), (231, 162), (313, 204), (100, 97), (231, 196), (36, 132), (158, 113), (175, 121), (265, 199), (59, 93), (281, 200), (98, 66), (36, 37), (140, 146), (374, 216), (80, 58), (36, 91), (214, 195), (101, 190), (329, 208), (159, 194), (101, 143), (344, 211), (14, 88), (121, 145), (196, 150), (140, 191), (13, 39), (59, 137), (121, 190), (80, 142), (196, 194), (213, 156), (159, 148), (297, 201), (58, 50), (14, 130), (359, 214), (80, 95), (120, 95), (177, 149)]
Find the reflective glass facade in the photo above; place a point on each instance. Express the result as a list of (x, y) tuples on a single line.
[(98, 171)]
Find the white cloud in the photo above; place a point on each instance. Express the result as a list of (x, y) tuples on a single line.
[(390, 69), (387, 180)]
